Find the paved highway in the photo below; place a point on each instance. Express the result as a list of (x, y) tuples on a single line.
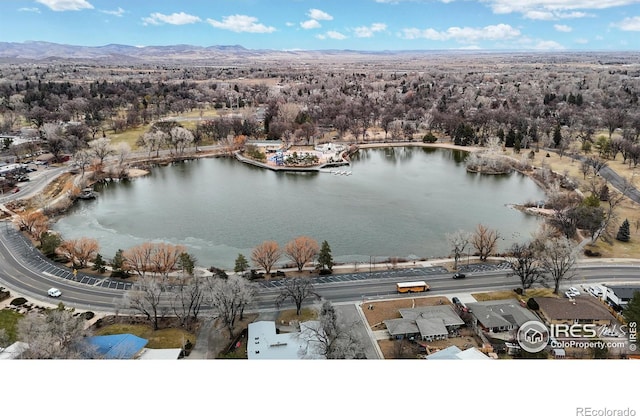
[(23, 270)]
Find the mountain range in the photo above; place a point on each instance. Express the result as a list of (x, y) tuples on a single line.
[(40, 51), (47, 51)]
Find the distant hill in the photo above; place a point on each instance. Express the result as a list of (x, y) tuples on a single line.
[(225, 54), (47, 51)]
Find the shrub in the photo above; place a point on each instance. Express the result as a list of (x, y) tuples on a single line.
[(18, 301), (518, 290), (88, 315), (532, 304), (429, 138), (590, 253)]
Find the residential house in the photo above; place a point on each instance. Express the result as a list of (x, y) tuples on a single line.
[(121, 346), (429, 323), (265, 343), (578, 310), (499, 316), (455, 353), (619, 295)]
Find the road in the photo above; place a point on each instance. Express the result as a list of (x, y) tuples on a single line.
[(25, 271)]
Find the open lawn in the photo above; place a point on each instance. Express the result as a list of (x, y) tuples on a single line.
[(306, 314), (129, 136), (628, 209), (9, 322), (162, 338)]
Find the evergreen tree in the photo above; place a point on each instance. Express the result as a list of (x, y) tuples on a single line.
[(117, 265), (604, 193), (631, 312), (99, 264), (325, 259), (241, 264), (557, 135), (624, 233)]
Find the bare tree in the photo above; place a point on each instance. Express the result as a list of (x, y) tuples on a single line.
[(298, 290), (34, 222), (330, 336), (101, 149), (229, 297), (458, 241), (266, 255), (80, 251), (302, 250), (144, 297), (152, 141), (485, 241), (525, 264), (82, 158), (187, 300), (138, 258), (160, 258), (165, 257), (557, 259), (56, 334)]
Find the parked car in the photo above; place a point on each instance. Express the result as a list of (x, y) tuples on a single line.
[(459, 276), (575, 291), (54, 293)]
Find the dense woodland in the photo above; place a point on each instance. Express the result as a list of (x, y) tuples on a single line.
[(470, 98)]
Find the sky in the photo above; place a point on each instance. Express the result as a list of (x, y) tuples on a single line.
[(368, 25)]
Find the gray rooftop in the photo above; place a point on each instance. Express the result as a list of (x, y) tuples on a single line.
[(624, 292), (401, 326), (441, 313), (496, 313), (431, 327)]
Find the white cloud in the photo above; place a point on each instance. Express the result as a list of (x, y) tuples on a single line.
[(553, 9), (332, 34), (29, 9), (118, 12), (464, 34), (66, 5), (369, 31), (563, 28), (630, 24), (310, 24), (582, 41), (290, 24), (317, 14), (241, 23), (548, 45), (181, 18)]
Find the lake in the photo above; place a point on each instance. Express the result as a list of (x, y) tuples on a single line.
[(399, 201)]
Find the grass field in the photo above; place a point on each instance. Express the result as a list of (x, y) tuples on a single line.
[(163, 338), (9, 322)]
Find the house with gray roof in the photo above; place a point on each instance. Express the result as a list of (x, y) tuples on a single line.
[(619, 295), (495, 316), (428, 323)]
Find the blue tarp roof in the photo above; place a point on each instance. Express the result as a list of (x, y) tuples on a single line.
[(122, 346)]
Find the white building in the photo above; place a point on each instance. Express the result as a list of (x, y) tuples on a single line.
[(264, 343)]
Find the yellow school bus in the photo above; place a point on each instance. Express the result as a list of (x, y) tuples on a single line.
[(408, 287)]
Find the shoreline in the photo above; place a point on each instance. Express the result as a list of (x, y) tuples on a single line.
[(136, 169)]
